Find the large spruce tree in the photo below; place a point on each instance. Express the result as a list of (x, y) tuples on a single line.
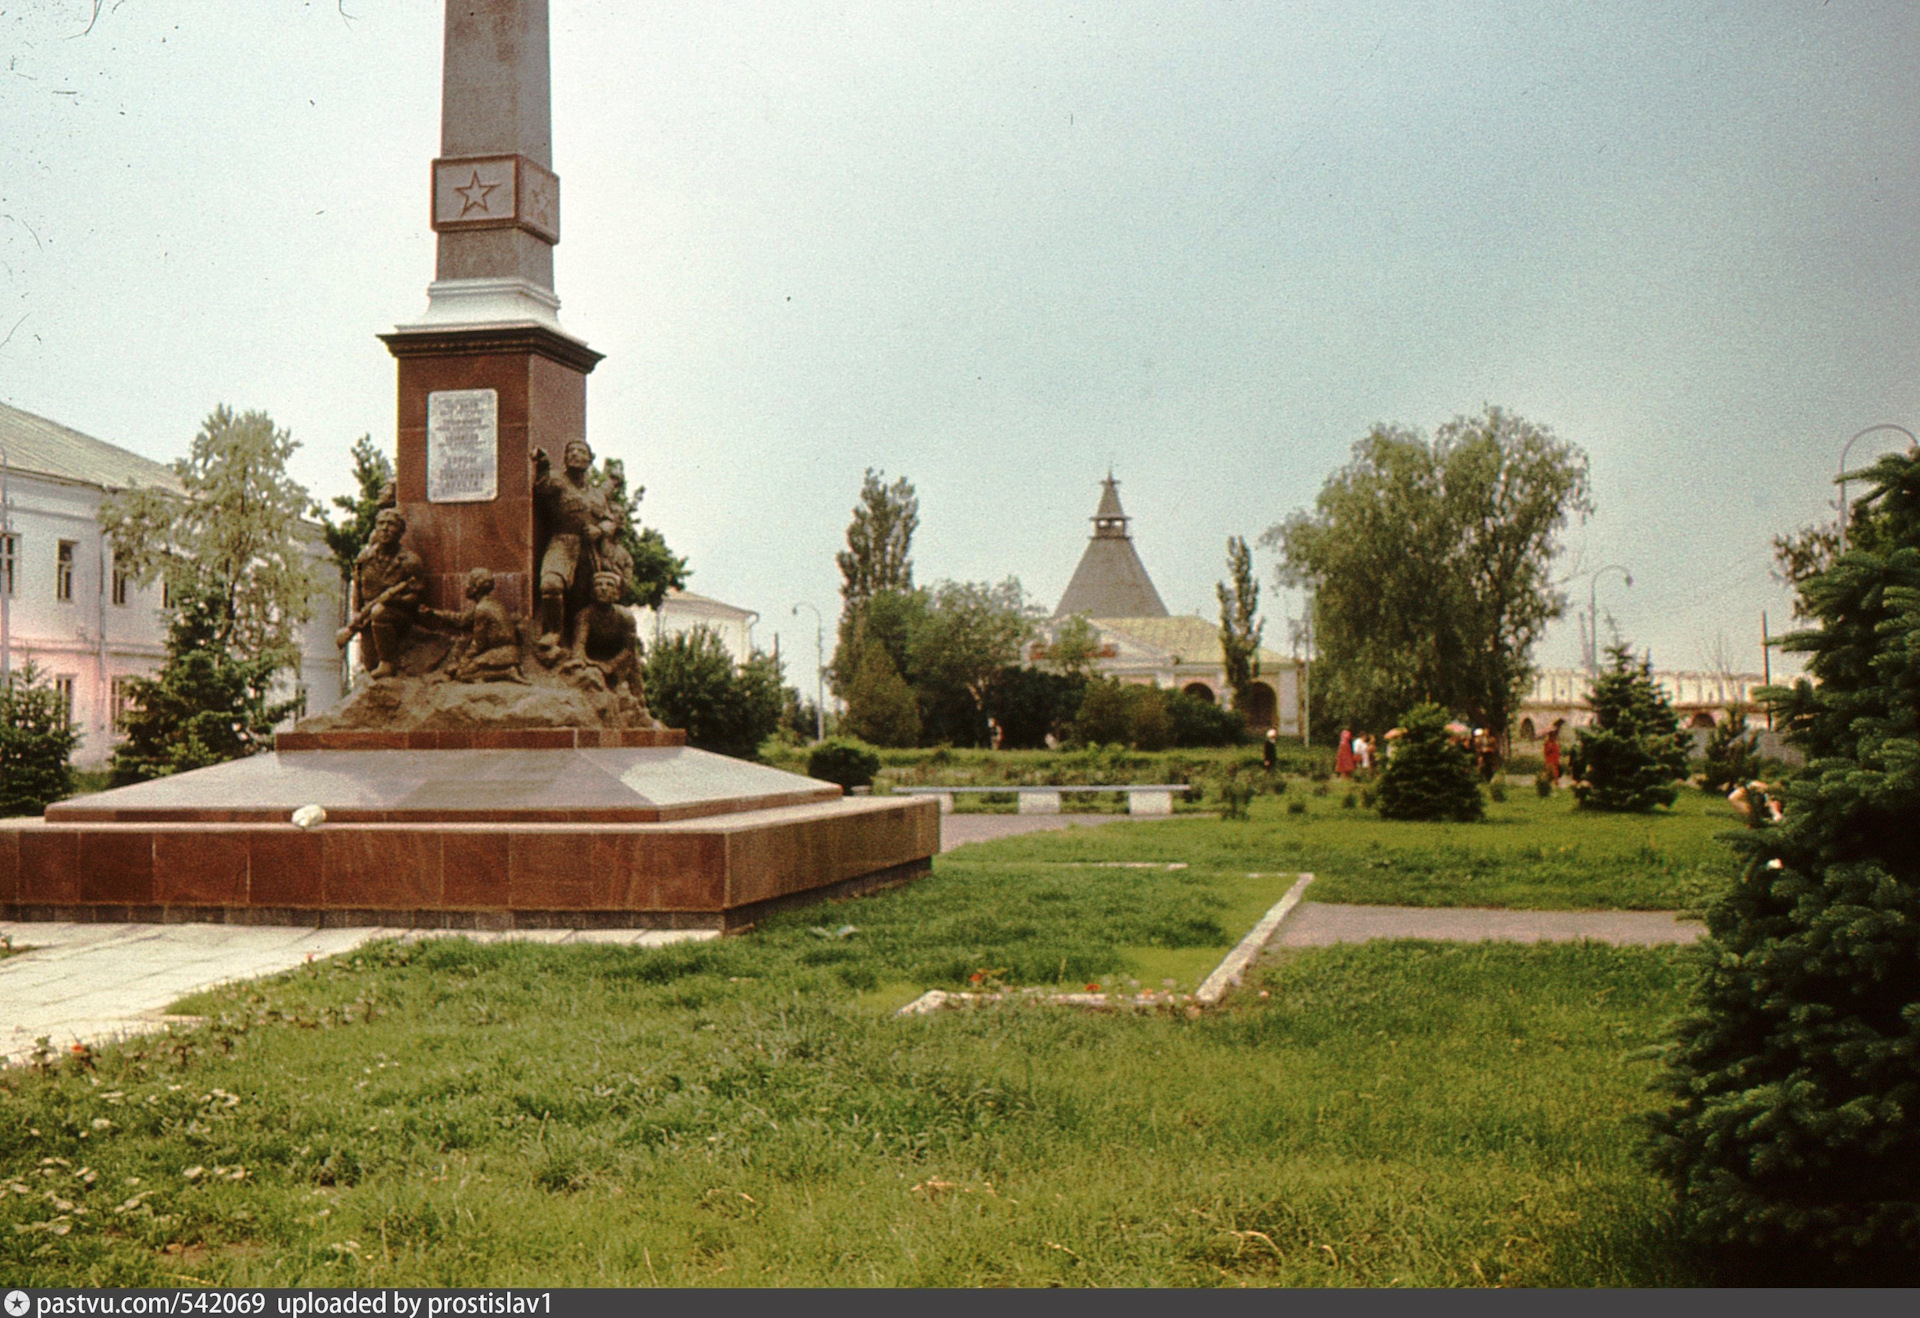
[(1794, 1129)]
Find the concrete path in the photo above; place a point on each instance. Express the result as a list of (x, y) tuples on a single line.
[(958, 830), (93, 983), (1321, 924)]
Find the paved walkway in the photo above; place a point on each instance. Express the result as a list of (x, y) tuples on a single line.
[(1321, 924), (92, 983)]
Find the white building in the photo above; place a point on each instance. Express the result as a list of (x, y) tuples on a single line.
[(1701, 699), (683, 610), (62, 604), (1142, 644)]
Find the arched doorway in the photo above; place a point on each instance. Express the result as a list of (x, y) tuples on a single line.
[(1702, 720), (1199, 690), (1261, 707), (1526, 729)]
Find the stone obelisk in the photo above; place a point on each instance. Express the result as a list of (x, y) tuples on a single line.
[(486, 374)]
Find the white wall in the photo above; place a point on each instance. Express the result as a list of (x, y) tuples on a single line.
[(89, 638)]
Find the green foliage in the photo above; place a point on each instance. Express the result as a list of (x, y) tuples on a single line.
[(242, 581), (881, 708), (1632, 754), (656, 568), (878, 556), (1151, 718), (232, 547), (1240, 621), (1030, 703), (845, 761), (1794, 1129), (207, 704), (373, 477), (36, 743), (1074, 648), (1429, 775), (1430, 566), (693, 683), (1732, 753), (968, 634)]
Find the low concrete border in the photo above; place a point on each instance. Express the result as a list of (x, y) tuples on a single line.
[(1226, 975), (1229, 972)]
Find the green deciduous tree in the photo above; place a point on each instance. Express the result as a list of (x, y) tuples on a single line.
[(1240, 621), (240, 571), (372, 479), (656, 568), (1429, 563), (879, 548), (1794, 1127), (235, 544), (1633, 754), (36, 743), (1074, 648), (693, 683), (1429, 775), (970, 631)]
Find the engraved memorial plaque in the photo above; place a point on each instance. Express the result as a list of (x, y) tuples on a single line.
[(463, 432)]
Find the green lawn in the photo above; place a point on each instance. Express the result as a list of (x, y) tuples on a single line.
[(1528, 853), (750, 1111)]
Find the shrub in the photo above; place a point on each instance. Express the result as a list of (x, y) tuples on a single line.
[(1296, 807), (1794, 1129), (1429, 775), (845, 761), (1542, 785), (1029, 703), (1497, 792), (1732, 754), (36, 744), (881, 707), (1633, 752), (693, 683), (1235, 794)]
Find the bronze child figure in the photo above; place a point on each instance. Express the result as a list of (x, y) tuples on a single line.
[(388, 581), (490, 650)]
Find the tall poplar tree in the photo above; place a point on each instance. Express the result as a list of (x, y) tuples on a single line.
[(1240, 623)]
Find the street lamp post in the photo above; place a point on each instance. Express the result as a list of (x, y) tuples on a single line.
[(7, 570), (1593, 612), (1847, 448), (819, 670)]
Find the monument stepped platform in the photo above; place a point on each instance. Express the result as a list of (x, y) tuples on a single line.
[(487, 837)]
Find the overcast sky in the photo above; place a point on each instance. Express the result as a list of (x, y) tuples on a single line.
[(999, 247)]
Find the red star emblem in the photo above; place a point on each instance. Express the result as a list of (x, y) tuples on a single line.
[(474, 195)]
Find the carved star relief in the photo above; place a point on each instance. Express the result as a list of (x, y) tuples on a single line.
[(473, 196)]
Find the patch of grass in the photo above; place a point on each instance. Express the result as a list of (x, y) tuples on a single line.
[(744, 1112), (1528, 853)]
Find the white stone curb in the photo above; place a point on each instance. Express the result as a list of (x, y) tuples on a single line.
[(1227, 974)]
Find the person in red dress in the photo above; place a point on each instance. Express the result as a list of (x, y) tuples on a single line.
[(1343, 758), (1550, 752)]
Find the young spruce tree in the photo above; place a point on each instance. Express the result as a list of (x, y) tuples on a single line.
[(36, 743), (1429, 775), (1794, 1129), (1633, 753)]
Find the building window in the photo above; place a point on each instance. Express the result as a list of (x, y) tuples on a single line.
[(63, 571), (119, 585), (9, 545), (122, 702), (63, 687)]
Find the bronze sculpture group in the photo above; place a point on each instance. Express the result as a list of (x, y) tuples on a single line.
[(583, 637)]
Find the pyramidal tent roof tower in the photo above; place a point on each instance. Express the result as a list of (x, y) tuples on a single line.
[(1111, 581)]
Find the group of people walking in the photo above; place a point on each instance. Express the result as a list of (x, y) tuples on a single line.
[(1356, 752)]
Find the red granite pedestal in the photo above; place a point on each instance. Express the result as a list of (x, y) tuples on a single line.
[(514, 831)]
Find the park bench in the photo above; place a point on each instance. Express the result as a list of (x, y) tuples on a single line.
[(1142, 799)]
